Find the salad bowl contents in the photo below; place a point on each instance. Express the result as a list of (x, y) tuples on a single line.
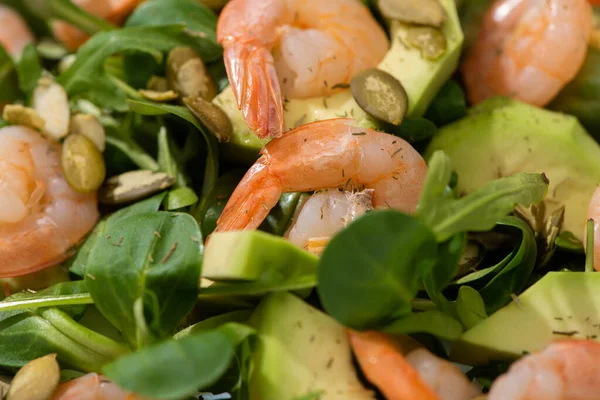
[(299, 200)]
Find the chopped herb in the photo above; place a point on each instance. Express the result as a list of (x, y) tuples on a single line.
[(118, 244), (342, 85), (396, 152), (171, 250), (565, 333), (359, 133)]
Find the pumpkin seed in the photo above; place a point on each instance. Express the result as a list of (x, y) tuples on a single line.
[(37, 380), (187, 74), (133, 185), (82, 164), (380, 95), (90, 127), (51, 103), (18, 115), (158, 84), (211, 116), (423, 12), (430, 41), (158, 96)]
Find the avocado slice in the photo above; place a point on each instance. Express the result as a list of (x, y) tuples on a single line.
[(247, 255), (501, 137), (421, 78), (560, 305), (301, 350)]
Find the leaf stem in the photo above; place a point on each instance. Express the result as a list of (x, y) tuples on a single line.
[(589, 253), (128, 90), (50, 301), (423, 305)]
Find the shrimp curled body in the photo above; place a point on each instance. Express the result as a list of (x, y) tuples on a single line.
[(91, 387), (528, 49), (41, 216), (14, 32), (327, 154), (295, 49), (565, 370)]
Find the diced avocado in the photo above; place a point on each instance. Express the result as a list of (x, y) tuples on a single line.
[(421, 78), (560, 305), (246, 255), (301, 350), (501, 137)]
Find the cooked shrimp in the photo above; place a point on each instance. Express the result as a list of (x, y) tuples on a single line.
[(293, 49), (41, 216), (418, 375), (91, 387), (528, 49), (327, 154), (111, 10), (324, 214), (565, 370), (14, 34)]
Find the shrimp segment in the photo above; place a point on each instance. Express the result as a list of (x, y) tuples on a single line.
[(14, 32), (528, 49), (91, 387), (565, 370), (294, 49), (327, 154), (41, 216)]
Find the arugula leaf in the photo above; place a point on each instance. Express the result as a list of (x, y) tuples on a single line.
[(470, 307), (156, 254), (9, 83), (87, 78), (199, 20), (435, 189), (29, 69), (371, 271), (240, 316), (434, 322), (179, 368), (448, 105), (414, 129), (67, 11)]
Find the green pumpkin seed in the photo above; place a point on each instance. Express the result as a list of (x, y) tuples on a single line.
[(133, 185), (16, 114), (211, 116), (422, 12), (37, 380), (380, 95), (90, 127), (187, 74), (158, 96), (82, 164), (430, 41)]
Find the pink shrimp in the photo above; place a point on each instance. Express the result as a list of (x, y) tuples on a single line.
[(14, 34), (528, 49), (41, 216), (565, 370), (91, 387), (327, 154), (294, 49)]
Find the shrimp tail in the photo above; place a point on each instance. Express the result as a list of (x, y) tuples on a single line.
[(251, 70), (251, 201)]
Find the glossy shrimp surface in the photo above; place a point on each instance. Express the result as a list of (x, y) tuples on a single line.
[(294, 49), (322, 155), (91, 387), (41, 216), (14, 32), (565, 370), (418, 375), (528, 49)]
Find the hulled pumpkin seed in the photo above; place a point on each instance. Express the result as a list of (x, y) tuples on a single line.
[(187, 74), (90, 127), (133, 185), (423, 12), (380, 95), (18, 115), (82, 164), (430, 41), (37, 380), (158, 96), (51, 103), (211, 116), (158, 84)]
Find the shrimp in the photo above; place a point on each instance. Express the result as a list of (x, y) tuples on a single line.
[(293, 49), (15, 34), (91, 387), (110, 10), (594, 214), (324, 214), (327, 154), (418, 375), (528, 49), (41, 216), (564, 370)]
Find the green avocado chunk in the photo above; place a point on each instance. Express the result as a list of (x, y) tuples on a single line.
[(421, 79), (301, 351), (247, 255), (501, 137), (559, 306)]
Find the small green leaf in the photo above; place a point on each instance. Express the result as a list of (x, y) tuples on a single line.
[(435, 322), (435, 188), (180, 198), (134, 152), (29, 69), (414, 129), (9, 83), (470, 307), (448, 105)]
